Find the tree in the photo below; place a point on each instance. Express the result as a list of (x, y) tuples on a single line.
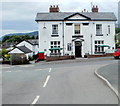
[(6, 38), (37, 37), (15, 38), (117, 30), (33, 37)]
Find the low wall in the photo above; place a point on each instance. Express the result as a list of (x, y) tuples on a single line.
[(54, 58), (18, 59), (101, 55)]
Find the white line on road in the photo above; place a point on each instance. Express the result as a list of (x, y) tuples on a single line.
[(41, 69), (26, 65), (35, 100), (50, 69), (48, 77), (38, 69), (8, 71)]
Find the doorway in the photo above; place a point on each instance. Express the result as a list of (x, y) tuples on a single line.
[(78, 49)]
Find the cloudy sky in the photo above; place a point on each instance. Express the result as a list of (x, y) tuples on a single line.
[(20, 16)]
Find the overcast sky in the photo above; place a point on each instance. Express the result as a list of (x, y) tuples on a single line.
[(20, 16)]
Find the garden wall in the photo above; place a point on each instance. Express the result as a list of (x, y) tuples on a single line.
[(54, 58)]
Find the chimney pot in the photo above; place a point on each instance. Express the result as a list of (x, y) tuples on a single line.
[(54, 8), (95, 9)]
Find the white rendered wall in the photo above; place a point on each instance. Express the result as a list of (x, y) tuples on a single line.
[(33, 48), (86, 31), (45, 36), (16, 50), (24, 43)]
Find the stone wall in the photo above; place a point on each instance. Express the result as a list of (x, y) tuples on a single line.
[(102, 55), (54, 58), (18, 59)]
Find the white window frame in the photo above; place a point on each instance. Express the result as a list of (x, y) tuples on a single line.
[(77, 32), (55, 29), (69, 47), (54, 44), (98, 29), (99, 49)]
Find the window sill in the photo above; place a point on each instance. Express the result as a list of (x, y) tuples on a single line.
[(54, 35), (99, 52), (99, 34)]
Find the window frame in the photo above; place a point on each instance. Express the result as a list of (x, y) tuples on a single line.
[(99, 30), (69, 47), (54, 30), (77, 32), (98, 49)]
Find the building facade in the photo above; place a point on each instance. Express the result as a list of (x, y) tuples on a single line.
[(79, 34)]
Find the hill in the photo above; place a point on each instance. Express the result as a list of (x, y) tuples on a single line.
[(35, 33)]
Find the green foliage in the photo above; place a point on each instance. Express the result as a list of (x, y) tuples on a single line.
[(4, 54), (37, 37), (4, 51), (6, 38), (31, 58), (33, 37), (15, 38), (117, 30), (115, 38)]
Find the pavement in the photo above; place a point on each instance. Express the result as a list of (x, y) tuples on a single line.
[(74, 60), (110, 74), (64, 83)]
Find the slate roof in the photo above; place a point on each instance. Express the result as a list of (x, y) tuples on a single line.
[(33, 41), (95, 16), (24, 49), (6, 45)]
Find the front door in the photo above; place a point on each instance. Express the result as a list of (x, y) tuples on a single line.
[(78, 46)]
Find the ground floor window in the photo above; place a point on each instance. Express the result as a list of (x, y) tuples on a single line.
[(98, 48), (55, 45), (69, 46)]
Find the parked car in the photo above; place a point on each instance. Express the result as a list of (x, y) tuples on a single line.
[(117, 53)]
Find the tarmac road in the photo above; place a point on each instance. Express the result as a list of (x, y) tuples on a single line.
[(67, 83)]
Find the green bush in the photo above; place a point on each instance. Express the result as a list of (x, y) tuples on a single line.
[(4, 54), (31, 58), (117, 30)]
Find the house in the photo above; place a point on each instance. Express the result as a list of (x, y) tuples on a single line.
[(31, 44), (76, 33), (8, 45), (21, 50)]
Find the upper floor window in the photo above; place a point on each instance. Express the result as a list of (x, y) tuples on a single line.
[(55, 29), (77, 29), (99, 29)]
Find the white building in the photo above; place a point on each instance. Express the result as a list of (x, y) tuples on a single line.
[(31, 44), (21, 50), (76, 33)]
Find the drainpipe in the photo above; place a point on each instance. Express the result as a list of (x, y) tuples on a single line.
[(63, 37), (91, 44)]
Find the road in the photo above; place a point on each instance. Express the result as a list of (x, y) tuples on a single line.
[(64, 83)]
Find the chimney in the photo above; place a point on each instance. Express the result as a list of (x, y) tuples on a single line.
[(53, 9), (95, 9)]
